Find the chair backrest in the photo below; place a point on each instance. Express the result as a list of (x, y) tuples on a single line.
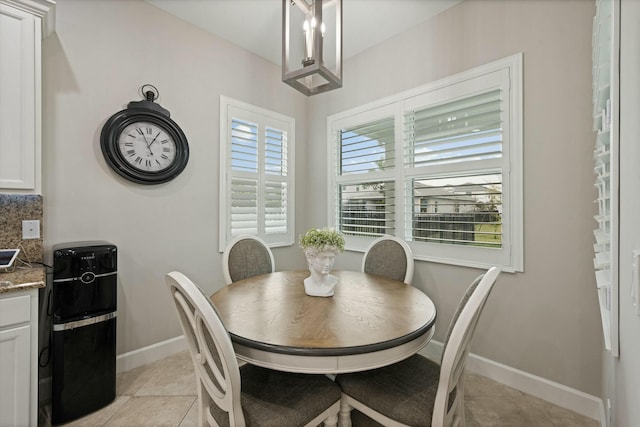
[(449, 404), (211, 350), (246, 256), (391, 257)]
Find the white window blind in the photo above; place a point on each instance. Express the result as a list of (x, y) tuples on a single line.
[(457, 131), (367, 148), (439, 166), (462, 134), (463, 211), (367, 208), (256, 174), (606, 168), (244, 191), (366, 192)]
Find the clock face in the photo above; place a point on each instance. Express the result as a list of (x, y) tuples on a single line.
[(147, 147)]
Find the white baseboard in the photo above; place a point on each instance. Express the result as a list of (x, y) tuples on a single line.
[(558, 394), (151, 353)]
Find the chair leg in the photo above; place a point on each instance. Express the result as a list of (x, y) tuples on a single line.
[(345, 413), (331, 421)]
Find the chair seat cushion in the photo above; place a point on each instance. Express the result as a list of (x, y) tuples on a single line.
[(273, 398), (404, 391)]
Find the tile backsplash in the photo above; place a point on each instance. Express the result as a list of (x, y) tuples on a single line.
[(15, 208)]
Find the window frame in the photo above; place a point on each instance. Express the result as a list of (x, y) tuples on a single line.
[(230, 108), (511, 256)]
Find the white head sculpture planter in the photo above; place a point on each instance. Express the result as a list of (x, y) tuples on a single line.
[(320, 283)]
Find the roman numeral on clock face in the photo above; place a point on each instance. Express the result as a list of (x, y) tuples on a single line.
[(147, 147)]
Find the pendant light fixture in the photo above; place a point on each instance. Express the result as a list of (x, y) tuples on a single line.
[(311, 32)]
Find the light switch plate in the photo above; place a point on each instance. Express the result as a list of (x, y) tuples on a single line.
[(31, 229)]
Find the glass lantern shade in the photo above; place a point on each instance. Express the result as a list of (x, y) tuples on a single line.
[(312, 45)]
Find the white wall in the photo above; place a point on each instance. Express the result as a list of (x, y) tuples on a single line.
[(544, 321), (95, 63), (622, 376)]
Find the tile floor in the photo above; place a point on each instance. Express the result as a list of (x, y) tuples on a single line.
[(163, 393)]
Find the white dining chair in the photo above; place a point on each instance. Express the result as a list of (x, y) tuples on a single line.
[(246, 256), (248, 396), (418, 392), (391, 257)]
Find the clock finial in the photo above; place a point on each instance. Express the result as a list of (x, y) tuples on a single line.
[(151, 93)]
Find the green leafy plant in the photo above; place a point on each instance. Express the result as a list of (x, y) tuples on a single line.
[(322, 239)]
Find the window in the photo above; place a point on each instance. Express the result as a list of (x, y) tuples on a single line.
[(440, 166), (256, 173)]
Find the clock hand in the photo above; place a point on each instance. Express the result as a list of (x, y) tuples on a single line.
[(141, 132), (144, 137), (154, 139), (151, 143)]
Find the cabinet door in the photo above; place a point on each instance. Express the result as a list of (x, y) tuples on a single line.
[(15, 380), (19, 106)]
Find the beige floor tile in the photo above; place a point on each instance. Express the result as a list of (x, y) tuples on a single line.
[(526, 407), (157, 411), (491, 411), (128, 383), (191, 419), (470, 419), (173, 376), (477, 385), (559, 416)]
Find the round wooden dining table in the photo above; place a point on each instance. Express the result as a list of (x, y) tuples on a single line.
[(369, 322)]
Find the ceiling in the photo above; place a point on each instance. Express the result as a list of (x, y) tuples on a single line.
[(256, 25)]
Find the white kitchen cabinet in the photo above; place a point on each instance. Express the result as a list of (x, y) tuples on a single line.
[(18, 358), (23, 23)]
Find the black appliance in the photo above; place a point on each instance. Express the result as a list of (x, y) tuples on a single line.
[(83, 310)]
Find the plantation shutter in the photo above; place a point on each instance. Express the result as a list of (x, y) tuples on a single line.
[(465, 211), (244, 181), (366, 204), (255, 207), (605, 100), (276, 191), (367, 148), (462, 136), (367, 209), (439, 165), (459, 131)]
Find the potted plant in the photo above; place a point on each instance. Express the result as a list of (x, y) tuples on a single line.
[(322, 239), (320, 246)]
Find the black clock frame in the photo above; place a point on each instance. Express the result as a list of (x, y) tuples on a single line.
[(110, 135)]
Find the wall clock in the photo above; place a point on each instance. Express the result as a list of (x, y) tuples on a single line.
[(143, 144)]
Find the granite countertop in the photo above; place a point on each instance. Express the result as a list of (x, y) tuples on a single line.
[(22, 278)]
